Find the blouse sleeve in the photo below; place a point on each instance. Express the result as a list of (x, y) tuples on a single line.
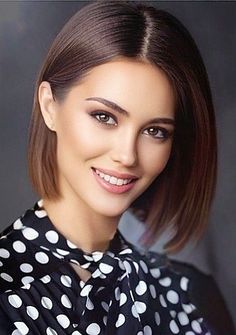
[(206, 296)]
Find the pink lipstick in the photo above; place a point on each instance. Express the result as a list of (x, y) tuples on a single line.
[(114, 182)]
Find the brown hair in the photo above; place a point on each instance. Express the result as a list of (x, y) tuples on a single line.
[(181, 195)]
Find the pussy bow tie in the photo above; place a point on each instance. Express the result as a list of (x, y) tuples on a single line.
[(116, 292)]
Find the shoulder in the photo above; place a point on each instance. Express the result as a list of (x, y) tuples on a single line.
[(18, 262), (200, 288), (12, 255)]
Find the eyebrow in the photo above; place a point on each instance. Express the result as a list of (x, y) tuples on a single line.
[(120, 110)]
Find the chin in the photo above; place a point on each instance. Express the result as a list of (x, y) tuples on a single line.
[(112, 211)]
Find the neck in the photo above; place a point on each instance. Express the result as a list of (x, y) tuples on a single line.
[(87, 230)]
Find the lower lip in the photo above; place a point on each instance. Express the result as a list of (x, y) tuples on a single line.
[(113, 188)]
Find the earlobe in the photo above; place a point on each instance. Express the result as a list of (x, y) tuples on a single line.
[(47, 104)]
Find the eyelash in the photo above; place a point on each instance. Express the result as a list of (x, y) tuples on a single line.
[(165, 133)]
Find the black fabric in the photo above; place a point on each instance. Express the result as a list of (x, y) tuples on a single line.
[(207, 296), (130, 291)]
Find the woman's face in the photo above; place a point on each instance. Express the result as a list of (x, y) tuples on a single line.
[(113, 135)]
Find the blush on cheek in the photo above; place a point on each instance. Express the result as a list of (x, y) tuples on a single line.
[(157, 161)]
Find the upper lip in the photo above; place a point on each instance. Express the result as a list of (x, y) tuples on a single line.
[(117, 174)]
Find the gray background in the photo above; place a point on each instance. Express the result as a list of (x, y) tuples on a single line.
[(26, 30)]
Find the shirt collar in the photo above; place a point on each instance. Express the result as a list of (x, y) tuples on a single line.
[(39, 229)]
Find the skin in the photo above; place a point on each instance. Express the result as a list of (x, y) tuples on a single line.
[(87, 214)]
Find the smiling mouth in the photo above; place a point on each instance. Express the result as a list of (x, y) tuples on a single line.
[(114, 180)]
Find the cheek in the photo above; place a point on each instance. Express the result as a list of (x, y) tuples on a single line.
[(155, 159), (78, 139)]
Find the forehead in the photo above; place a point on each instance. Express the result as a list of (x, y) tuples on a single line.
[(131, 84)]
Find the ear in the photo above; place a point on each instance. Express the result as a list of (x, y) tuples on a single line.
[(47, 104)]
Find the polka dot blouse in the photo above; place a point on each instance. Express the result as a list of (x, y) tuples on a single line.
[(130, 292)]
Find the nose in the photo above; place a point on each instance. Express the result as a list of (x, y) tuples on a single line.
[(124, 150)]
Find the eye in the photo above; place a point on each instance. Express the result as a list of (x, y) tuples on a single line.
[(104, 117), (157, 132)]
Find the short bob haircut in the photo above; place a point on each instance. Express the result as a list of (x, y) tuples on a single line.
[(181, 196)]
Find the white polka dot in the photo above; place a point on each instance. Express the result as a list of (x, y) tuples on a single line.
[(22, 327), (76, 333), (30, 233), (183, 318), (85, 291), (32, 312), (196, 326), (41, 213), (184, 283), (1, 263), (17, 224), (52, 236), (134, 311), (127, 267), (140, 307), (50, 331), (41, 257), (66, 301), (136, 266), (140, 333), (6, 277), (172, 296), (143, 266), (26, 287), (121, 265), (16, 332), (57, 255), (63, 320), (25, 267), (153, 291), (155, 273), (62, 252), (40, 203), (71, 245), (93, 329), (46, 279), (173, 314), (19, 246), (141, 288), (81, 283), (187, 308), (66, 280), (123, 298), (162, 301), (97, 255), (157, 318), (190, 333), (120, 321), (15, 300), (105, 268), (46, 302), (117, 293), (89, 304), (88, 258), (126, 251), (27, 280), (165, 281), (147, 330), (173, 327), (4, 253), (105, 306), (104, 320)]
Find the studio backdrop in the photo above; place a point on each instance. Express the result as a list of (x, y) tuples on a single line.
[(27, 28)]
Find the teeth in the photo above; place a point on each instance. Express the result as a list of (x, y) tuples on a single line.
[(113, 180)]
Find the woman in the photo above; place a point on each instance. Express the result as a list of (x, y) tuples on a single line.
[(122, 119)]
